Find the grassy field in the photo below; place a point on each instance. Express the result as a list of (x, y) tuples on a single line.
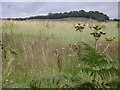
[(29, 47)]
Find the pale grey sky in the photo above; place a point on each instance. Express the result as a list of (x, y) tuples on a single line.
[(26, 9)]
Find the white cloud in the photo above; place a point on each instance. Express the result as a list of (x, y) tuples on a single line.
[(23, 9), (60, 0)]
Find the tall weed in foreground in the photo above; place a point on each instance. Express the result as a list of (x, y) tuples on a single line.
[(101, 69)]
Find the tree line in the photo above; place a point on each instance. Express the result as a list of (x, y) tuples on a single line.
[(99, 16), (91, 14)]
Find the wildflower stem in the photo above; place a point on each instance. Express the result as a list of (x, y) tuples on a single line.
[(108, 56), (83, 38), (95, 43), (106, 48)]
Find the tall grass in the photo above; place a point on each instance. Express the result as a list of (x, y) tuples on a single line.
[(29, 48)]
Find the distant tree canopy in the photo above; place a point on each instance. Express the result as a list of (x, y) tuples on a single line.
[(81, 13), (116, 19)]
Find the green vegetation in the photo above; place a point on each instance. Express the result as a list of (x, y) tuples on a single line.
[(50, 53), (81, 13)]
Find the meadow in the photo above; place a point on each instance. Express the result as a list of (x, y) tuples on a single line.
[(29, 48)]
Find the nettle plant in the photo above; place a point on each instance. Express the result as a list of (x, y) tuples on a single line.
[(96, 64)]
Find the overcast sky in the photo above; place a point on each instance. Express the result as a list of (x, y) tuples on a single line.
[(26, 9)]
